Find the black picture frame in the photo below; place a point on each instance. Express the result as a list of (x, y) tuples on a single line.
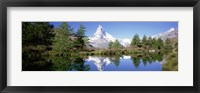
[(98, 3)]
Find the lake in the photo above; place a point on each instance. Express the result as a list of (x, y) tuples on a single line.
[(124, 63), (153, 62)]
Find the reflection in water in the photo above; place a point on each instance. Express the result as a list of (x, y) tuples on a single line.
[(69, 64), (146, 62), (100, 62), (113, 63)]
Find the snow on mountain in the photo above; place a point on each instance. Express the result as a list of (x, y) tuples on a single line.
[(101, 39), (171, 33), (125, 42), (99, 31), (110, 37), (100, 62), (101, 34)]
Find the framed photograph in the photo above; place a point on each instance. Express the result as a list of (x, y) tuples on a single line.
[(106, 46)]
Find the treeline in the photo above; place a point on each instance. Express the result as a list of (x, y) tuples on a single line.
[(44, 47), (41, 42), (147, 43), (67, 40), (37, 37), (41, 37), (115, 44), (150, 43)]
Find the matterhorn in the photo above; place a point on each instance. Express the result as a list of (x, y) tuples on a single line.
[(101, 39)]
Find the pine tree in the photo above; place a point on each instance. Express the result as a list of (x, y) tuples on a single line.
[(37, 38), (144, 41), (65, 26), (116, 44), (149, 43), (160, 43), (37, 33), (110, 44), (168, 45), (154, 43), (81, 40), (135, 41), (62, 41), (81, 31)]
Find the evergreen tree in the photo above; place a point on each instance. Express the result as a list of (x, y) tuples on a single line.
[(116, 44), (81, 31), (154, 43), (144, 41), (149, 43), (81, 40), (63, 41), (160, 43), (110, 44), (135, 41), (37, 39), (168, 45), (65, 26), (37, 33)]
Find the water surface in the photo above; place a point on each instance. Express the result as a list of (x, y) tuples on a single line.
[(153, 62), (124, 63)]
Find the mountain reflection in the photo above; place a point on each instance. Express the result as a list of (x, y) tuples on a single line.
[(100, 62), (114, 62)]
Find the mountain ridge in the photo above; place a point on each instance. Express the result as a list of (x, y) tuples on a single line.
[(171, 33)]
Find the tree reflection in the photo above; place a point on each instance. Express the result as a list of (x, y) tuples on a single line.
[(115, 60), (136, 61), (78, 63), (36, 63), (147, 58), (144, 60), (69, 64)]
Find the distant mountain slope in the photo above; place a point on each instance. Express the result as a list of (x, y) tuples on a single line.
[(171, 33)]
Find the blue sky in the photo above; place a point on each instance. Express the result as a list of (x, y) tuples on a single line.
[(122, 30)]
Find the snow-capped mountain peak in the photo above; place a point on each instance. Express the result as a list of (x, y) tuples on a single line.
[(171, 29), (99, 31), (101, 39)]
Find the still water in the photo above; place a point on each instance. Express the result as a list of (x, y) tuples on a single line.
[(154, 62), (124, 63)]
